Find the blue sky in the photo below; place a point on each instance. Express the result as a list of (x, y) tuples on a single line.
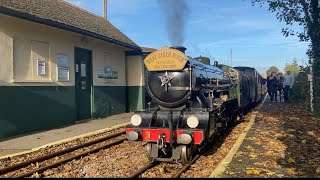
[(213, 27)]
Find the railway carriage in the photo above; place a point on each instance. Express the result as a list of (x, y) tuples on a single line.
[(257, 83), (191, 103)]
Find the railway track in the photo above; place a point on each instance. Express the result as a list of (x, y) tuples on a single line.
[(177, 174), (151, 165), (64, 156)]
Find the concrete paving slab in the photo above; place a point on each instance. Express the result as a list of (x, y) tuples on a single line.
[(220, 169)]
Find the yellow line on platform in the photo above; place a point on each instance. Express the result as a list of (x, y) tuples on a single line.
[(66, 140), (217, 172)]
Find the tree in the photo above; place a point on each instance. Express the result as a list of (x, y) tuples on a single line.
[(293, 67), (305, 13), (272, 69)]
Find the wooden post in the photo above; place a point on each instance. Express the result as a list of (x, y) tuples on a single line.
[(310, 78)]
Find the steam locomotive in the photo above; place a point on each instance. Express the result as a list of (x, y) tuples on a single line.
[(191, 103)]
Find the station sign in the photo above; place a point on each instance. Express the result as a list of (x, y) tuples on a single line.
[(108, 73), (166, 59)]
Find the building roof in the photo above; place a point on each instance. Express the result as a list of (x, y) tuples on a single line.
[(65, 16), (147, 49)]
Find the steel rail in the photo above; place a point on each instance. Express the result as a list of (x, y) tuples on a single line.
[(70, 158), (15, 167), (185, 167), (150, 165), (142, 170)]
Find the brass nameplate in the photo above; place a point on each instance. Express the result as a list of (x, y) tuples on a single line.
[(166, 59)]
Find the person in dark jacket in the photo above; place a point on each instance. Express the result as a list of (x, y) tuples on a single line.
[(269, 85), (273, 86), (280, 85)]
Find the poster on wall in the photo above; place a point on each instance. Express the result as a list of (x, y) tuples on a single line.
[(41, 67), (62, 60), (63, 74), (62, 67)]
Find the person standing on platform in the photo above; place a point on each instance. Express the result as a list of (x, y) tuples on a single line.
[(280, 85), (287, 83), (273, 86), (269, 85)]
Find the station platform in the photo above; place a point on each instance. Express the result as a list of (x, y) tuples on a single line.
[(283, 142), (35, 141)]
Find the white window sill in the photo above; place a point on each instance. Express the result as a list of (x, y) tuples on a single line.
[(31, 81)]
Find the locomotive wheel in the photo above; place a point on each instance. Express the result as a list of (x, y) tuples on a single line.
[(187, 153), (149, 149)]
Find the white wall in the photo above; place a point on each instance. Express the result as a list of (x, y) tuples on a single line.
[(17, 67)]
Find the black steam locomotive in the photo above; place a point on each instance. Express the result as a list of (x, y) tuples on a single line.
[(191, 103)]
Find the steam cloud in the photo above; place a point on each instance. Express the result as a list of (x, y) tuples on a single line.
[(176, 13)]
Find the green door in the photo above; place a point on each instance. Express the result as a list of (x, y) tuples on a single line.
[(83, 82)]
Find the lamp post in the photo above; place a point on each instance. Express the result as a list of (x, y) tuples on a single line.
[(105, 9)]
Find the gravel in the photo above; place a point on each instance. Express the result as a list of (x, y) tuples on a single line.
[(50, 149), (118, 161)]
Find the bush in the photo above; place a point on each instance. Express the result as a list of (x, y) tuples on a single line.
[(300, 92)]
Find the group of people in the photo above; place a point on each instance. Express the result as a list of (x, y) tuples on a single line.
[(276, 82)]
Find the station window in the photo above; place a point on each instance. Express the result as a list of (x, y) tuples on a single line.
[(31, 61)]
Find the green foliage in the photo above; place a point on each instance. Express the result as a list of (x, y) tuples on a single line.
[(293, 12), (300, 92), (293, 67), (272, 69)]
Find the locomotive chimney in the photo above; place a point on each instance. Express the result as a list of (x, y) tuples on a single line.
[(180, 48), (216, 64)]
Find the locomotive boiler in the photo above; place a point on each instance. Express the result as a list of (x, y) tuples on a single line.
[(191, 103)]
